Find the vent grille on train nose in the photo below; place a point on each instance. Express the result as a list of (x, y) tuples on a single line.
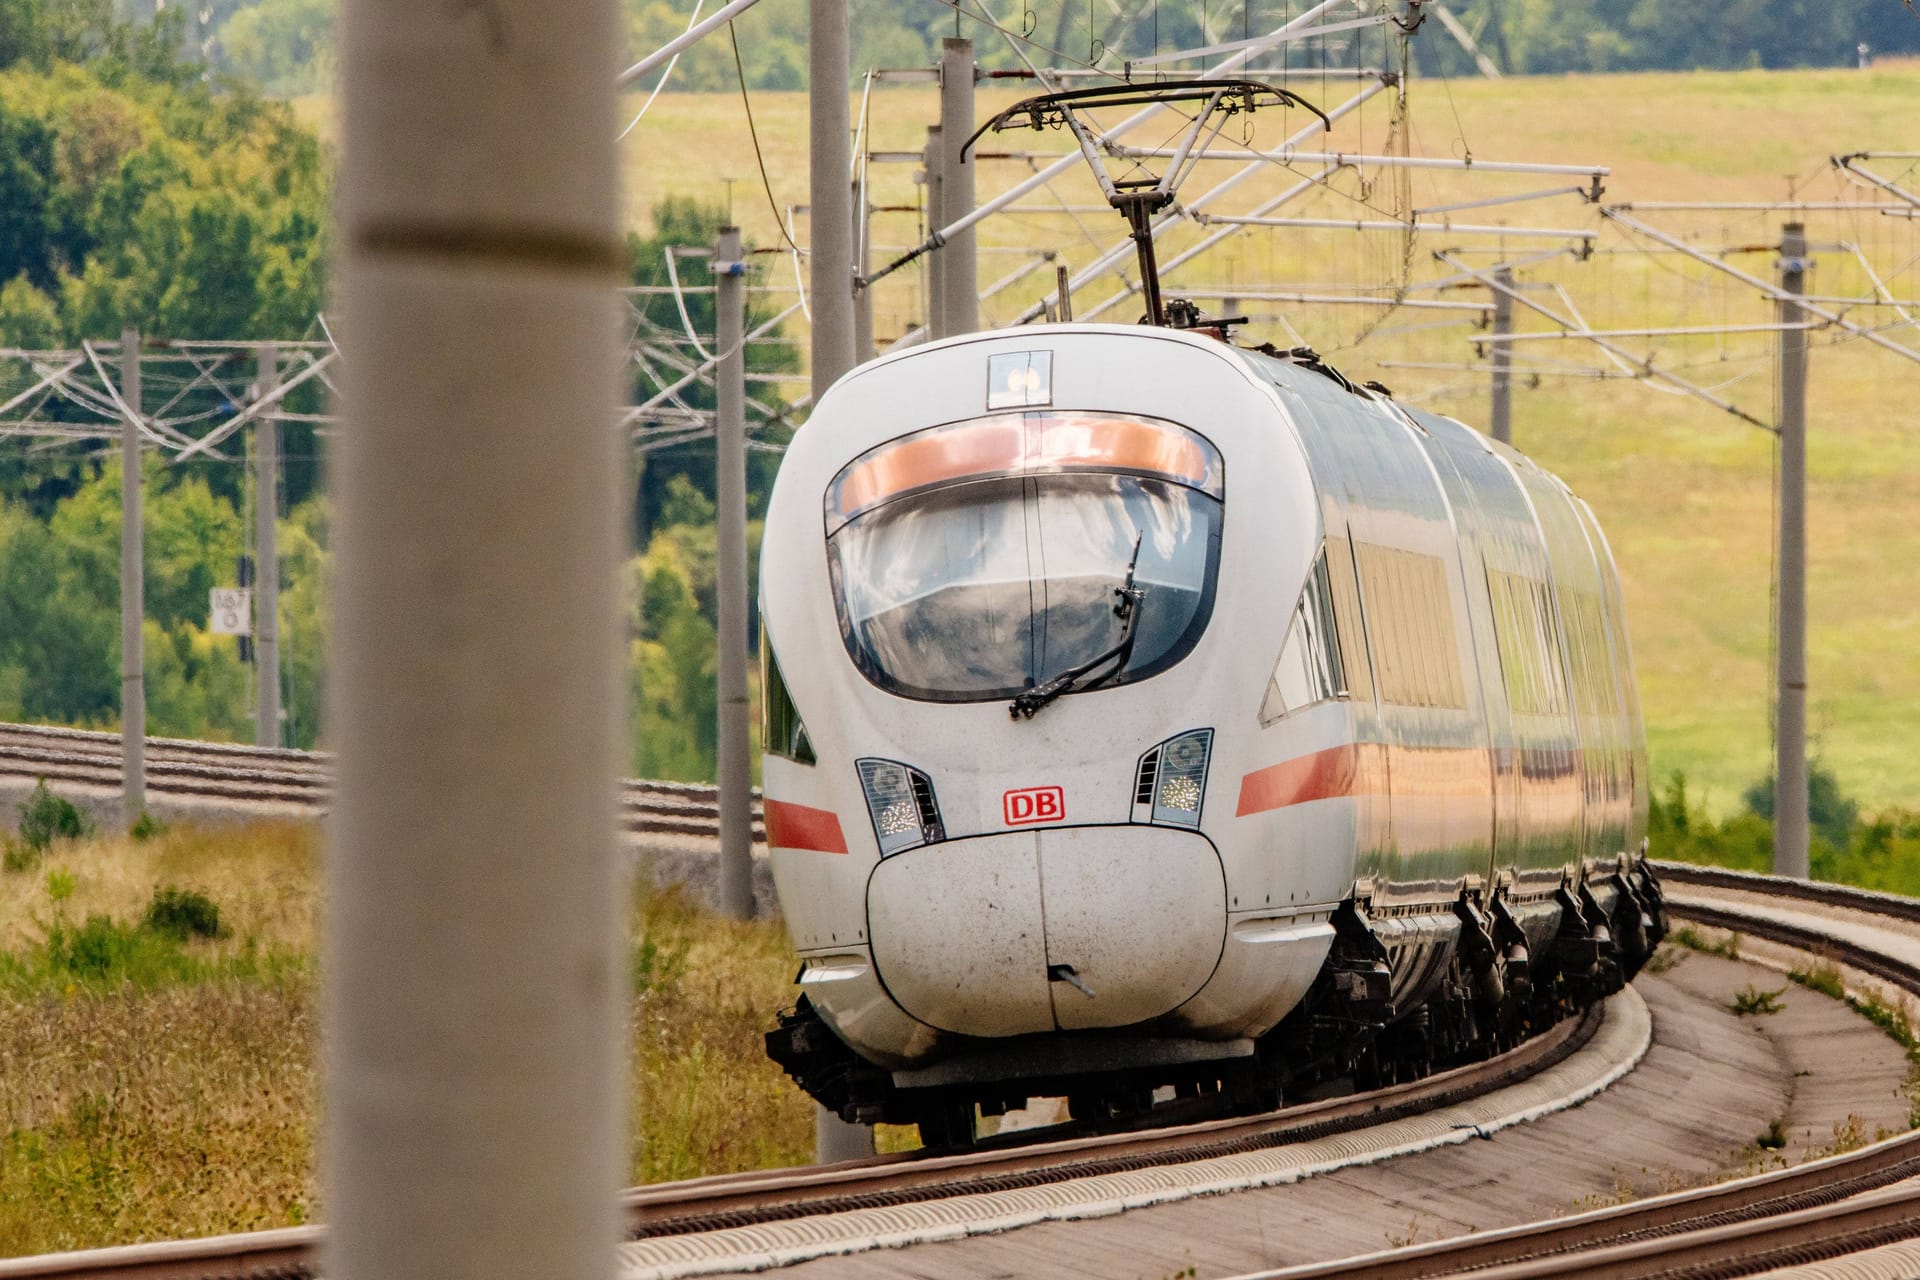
[(929, 809), (1149, 771)]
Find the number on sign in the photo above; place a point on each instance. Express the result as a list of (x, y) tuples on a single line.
[(232, 611)]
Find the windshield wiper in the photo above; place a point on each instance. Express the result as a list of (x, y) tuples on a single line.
[(1127, 605)]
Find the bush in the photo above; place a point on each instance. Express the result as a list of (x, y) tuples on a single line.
[(104, 950), (146, 827), (17, 856), (1881, 852), (1830, 811), (180, 914), (47, 817)]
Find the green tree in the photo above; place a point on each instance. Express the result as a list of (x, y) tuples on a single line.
[(285, 46), (59, 644), (672, 660), (305, 565), (1830, 811), (192, 539), (41, 33), (26, 176), (28, 317), (197, 687), (681, 221)]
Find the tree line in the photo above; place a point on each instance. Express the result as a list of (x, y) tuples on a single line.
[(287, 46), (134, 190)]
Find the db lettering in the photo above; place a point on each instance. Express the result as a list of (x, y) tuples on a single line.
[(1034, 804)]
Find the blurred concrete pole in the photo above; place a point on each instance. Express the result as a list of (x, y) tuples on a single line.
[(1790, 855), (830, 148), (939, 304), (730, 489), (1502, 424), (863, 263), (474, 1010), (956, 184), (830, 224), (266, 612), (133, 594)]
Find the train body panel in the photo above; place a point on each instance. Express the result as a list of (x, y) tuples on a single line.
[(1285, 649)]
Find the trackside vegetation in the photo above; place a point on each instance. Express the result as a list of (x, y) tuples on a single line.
[(159, 1069), (1875, 851)]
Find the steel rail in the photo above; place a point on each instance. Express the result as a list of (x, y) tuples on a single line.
[(744, 1199), (731, 1200), (1811, 1212)]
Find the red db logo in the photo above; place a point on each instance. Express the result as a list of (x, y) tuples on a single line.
[(1034, 804)]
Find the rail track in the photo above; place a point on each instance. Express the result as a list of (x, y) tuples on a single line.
[(695, 1211), (219, 774), (1862, 1200)]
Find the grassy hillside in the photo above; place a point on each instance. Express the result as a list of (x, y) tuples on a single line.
[(1683, 490)]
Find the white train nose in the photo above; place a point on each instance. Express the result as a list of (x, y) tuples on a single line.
[(1069, 928)]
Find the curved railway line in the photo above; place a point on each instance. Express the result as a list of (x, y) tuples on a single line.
[(1864, 1203)]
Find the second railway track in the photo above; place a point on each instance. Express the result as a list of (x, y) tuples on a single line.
[(214, 774)]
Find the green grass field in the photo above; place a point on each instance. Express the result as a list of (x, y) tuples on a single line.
[(1683, 490)]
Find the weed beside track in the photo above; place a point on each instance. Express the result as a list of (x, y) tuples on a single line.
[(159, 1039)]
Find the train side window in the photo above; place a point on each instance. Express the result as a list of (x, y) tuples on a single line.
[(1515, 674), (1599, 658), (781, 733), (1548, 640), (1529, 658), (1309, 670), (1411, 618), (1349, 621)]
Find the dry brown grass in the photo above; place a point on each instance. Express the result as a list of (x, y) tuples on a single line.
[(179, 1094), (265, 875), (138, 1115), (706, 1099)]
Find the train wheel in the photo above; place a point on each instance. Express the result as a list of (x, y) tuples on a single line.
[(1255, 1093), (947, 1125), (1121, 1104), (1088, 1106)]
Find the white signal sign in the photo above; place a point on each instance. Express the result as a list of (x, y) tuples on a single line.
[(232, 611)]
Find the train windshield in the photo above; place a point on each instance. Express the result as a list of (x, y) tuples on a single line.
[(962, 582)]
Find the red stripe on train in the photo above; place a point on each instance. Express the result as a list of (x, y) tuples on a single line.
[(1319, 775), (795, 826)]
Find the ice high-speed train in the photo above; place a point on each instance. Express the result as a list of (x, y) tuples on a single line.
[(1143, 711)]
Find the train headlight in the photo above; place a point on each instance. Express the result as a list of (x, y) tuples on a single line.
[(1171, 780), (901, 803)]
